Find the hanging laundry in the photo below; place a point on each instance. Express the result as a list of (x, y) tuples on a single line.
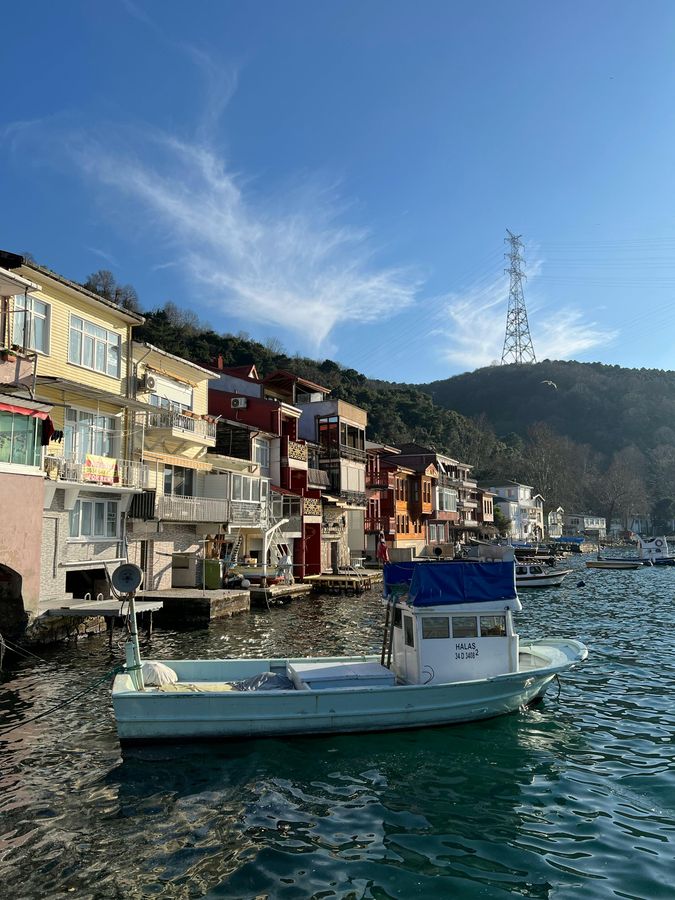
[(47, 431)]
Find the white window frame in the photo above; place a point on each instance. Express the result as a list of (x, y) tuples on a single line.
[(25, 310), (79, 453), (85, 514), (247, 488), (103, 340), (261, 454)]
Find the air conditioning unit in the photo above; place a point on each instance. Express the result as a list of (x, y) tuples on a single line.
[(147, 383), (239, 402)]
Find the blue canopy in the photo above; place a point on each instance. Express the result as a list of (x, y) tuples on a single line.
[(569, 540), (442, 584)]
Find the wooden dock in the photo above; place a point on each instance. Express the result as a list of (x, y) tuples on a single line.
[(277, 594), (355, 582)]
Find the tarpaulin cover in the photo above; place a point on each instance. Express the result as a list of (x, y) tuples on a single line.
[(442, 584)]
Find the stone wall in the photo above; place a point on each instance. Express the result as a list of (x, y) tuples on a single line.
[(163, 539)]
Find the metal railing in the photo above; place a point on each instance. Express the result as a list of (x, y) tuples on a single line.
[(97, 470), (181, 422), (355, 497), (380, 523), (246, 514), (171, 508), (343, 451), (295, 450)]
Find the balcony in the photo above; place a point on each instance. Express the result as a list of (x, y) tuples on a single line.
[(99, 470), (343, 451), (294, 452), (317, 478), (380, 523), (311, 506), (382, 480), (169, 508), (245, 515), (181, 426), (356, 498)]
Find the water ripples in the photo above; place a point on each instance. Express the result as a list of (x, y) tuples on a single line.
[(576, 796)]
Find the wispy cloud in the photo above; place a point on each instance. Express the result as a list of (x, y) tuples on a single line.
[(474, 322), (108, 257), (287, 261)]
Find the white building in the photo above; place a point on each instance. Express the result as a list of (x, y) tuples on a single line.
[(525, 509), (577, 524)]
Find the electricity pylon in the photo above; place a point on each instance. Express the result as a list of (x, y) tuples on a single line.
[(517, 341)]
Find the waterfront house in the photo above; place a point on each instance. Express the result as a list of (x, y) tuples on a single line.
[(263, 429), (523, 508), (585, 524), (78, 345), (173, 523), (24, 424), (338, 429), (555, 522)]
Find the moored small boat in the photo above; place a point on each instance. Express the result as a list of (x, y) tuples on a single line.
[(533, 575), (449, 654), (613, 563)]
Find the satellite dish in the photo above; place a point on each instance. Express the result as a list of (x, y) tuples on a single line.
[(127, 578), (438, 551)]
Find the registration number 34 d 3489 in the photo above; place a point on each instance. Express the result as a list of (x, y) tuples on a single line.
[(466, 651)]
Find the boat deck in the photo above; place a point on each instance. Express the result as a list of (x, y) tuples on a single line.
[(354, 582)]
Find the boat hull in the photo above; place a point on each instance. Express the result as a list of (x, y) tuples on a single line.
[(612, 564), (552, 579), (156, 716)]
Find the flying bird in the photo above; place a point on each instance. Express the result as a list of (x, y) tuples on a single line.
[(552, 383)]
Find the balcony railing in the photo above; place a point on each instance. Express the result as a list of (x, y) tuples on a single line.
[(203, 428), (343, 451), (102, 470), (311, 506), (355, 497), (245, 514), (317, 478), (191, 509), (294, 450), (380, 523), (376, 479)]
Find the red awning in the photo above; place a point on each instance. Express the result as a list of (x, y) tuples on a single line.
[(280, 490), (23, 411)]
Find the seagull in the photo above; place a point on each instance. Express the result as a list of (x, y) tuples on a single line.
[(552, 383)]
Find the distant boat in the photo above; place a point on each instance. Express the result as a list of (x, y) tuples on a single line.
[(651, 552), (614, 563), (532, 575), (449, 654)]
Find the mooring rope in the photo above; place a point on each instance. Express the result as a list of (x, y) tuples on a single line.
[(47, 712)]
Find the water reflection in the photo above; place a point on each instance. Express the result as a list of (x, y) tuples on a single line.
[(574, 796)]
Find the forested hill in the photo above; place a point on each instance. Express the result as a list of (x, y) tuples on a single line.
[(396, 413), (605, 407)]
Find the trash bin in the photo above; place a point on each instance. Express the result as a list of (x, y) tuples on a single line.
[(213, 574)]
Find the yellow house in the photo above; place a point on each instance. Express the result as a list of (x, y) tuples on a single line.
[(73, 349), (170, 523)]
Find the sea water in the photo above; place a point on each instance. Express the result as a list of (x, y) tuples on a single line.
[(573, 798)]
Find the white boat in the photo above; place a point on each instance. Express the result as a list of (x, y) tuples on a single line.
[(534, 575), (449, 654), (613, 564)]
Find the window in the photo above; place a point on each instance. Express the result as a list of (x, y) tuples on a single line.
[(434, 627), (409, 631), (447, 500), (247, 489), (94, 347), (31, 323), (20, 439), (432, 534), (88, 432), (94, 519), (398, 617), (261, 455), (464, 626), (179, 481), (493, 626)]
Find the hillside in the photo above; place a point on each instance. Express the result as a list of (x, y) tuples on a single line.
[(396, 413), (605, 407)]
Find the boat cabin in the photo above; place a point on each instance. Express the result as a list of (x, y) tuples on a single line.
[(451, 621)]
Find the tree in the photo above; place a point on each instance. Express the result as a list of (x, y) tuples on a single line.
[(502, 523), (104, 284)]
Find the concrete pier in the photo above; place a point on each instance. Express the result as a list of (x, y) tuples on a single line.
[(192, 606)]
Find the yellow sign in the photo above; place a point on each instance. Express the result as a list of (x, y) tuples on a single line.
[(101, 469)]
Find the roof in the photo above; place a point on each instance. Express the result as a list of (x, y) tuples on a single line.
[(77, 387), (250, 373), (285, 375), (15, 261), (207, 372), (451, 583), (14, 283)]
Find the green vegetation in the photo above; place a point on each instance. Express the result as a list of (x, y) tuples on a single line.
[(595, 438)]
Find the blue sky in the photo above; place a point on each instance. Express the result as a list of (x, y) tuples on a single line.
[(340, 175)]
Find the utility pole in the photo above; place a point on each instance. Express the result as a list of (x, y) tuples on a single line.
[(517, 341)]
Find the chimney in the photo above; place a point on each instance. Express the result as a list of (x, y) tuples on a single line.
[(220, 360)]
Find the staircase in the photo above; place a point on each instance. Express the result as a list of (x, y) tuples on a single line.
[(233, 558)]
